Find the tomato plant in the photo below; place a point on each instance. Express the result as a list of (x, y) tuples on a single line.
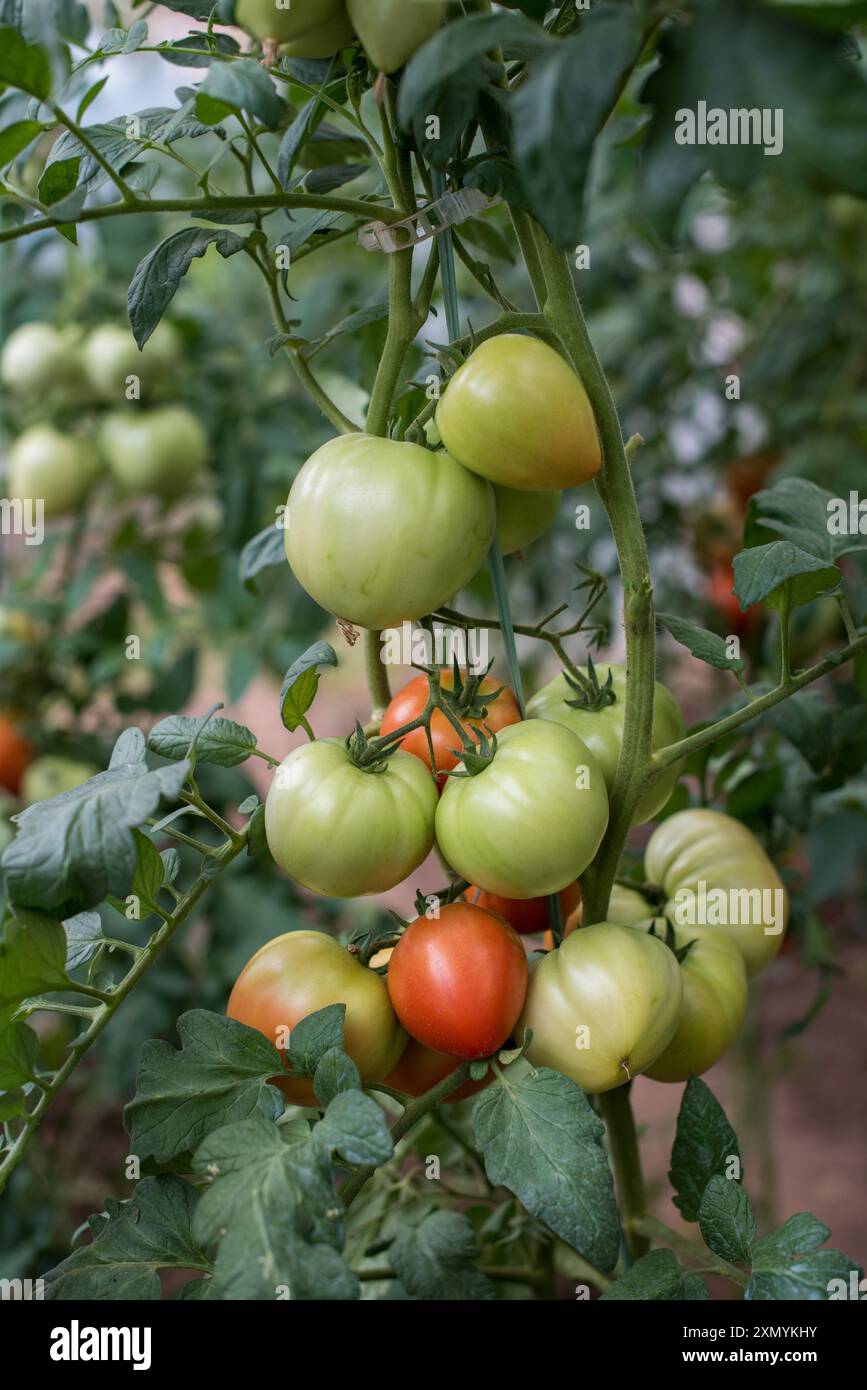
[(516, 413), (294, 976), (603, 1006), (392, 30), (531, 819), (409, 703), (457, 982), (404, 529), (157, 450)]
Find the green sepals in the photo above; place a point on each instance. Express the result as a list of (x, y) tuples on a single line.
[(476, 757), (365, 753), (465, 700), (669, 939), (590, 695)]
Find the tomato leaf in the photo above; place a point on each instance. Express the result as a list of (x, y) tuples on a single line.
[(219, 1075), (335, 1073), (355, 1127), (16, 137), (707, 646), (541, 1138), (434, 1260), (809, 516), (262, 552), (84, 936), (132, 1241), (221, 741), (241, 85), (19, 1048), (24, 65), (301, 682), (157, 277), (780, 573), (32, 959), (315, 1035), (788, 1264), (703, 1146), (726, 1220), (148, 877), (657, 1277)]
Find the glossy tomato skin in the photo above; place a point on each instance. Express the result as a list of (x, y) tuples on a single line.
[(420, 1068), (526, 826), (41, 362), (603, 1006), (379, 531), (15, 754), (345, 832), (58, 468), (409, 703), (263, 19), (703, 846), (526, 915), (157, 450), (457, 982), (714, 1005), (602, 730), (392, 30), (522, 517), (516, 413), (304, 971)]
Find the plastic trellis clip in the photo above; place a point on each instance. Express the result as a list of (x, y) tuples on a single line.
[(447, 211)]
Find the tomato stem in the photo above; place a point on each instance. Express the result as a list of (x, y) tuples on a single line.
[(623, 1140)]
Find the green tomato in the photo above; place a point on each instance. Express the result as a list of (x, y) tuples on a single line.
[(522, 517), (323, 41), (719, 881), (58, 468), (392, 30), (41, 361), (158, 450), (380, 531), (602, 730), (532, 820), (516, 413), (346, 832), (111, 356), (270, 19), (602, 1006), (52, 775), (714, 1004), (302, 972)]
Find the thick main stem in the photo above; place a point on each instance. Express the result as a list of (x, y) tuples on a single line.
[(620, 1123)]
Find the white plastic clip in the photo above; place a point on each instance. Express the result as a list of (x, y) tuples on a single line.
[(447, 211)]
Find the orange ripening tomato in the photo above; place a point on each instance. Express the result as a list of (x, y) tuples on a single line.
[(15, 754), (409, 703), (457, 982), (526, 915), (420, 1068)]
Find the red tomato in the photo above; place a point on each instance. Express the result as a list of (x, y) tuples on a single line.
[(15, 754), (409, 703), (420, 1068), (526, 915), (720, 583), (457, 983)]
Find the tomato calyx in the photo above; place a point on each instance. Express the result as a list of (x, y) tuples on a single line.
[(668, 939), (369, 755), (475, 757), (589, 694)]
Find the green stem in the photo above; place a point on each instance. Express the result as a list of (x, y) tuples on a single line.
[(377, 675), (649, 1227), (620, 1123)]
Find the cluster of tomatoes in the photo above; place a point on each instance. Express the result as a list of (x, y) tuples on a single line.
[(517, 806), (390, 30), (146, 448)]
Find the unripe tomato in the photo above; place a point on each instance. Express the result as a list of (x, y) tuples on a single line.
[(532, 820), (392, 30), (154, 450), (322, 41), (516, 413), (343, 831), (380, 531), (602, 730), (699, 847), (40, 361), (626, 908), (51, 775), (60, 469), (17, 624), (265, 19), (457, 982), (409, 703), (15, 754), (296, 975), (420, 1069), (714, 1004), (603, 1006), (111, 355), (522, 517), (526, 915)]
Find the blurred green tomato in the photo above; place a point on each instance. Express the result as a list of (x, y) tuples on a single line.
[(51, 775), (111, 355), (60, 469), (392, 30), (268, 19), (154, 451), (522, 517), (39, 360)]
